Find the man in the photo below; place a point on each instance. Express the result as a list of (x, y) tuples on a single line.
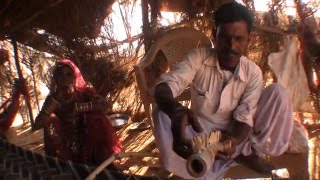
[(227, 95)]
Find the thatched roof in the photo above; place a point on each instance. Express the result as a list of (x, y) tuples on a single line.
[(63, 18)]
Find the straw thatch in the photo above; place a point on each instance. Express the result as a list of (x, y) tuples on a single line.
[(63, 18)]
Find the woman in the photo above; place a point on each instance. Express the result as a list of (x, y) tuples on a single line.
[(75, 126)]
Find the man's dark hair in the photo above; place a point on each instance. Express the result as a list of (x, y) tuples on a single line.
[(232, 12)]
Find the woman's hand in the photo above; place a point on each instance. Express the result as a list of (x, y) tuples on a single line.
[(50, 105), (40, 121)]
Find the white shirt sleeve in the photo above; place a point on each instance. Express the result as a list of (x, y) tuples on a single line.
[(248, 104), (183, 73)]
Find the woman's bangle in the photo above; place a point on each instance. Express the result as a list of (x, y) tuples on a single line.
[(84, 107), (46, 112)]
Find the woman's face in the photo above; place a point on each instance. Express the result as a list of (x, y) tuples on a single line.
[(65, 77)]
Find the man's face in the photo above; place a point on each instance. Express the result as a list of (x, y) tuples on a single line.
[(232, 40)]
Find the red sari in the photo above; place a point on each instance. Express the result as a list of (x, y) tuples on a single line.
[(85, 137)]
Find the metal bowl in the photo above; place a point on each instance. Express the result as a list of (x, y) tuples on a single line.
[(118, 120)]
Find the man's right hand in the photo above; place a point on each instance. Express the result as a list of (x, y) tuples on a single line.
[(182, 118)]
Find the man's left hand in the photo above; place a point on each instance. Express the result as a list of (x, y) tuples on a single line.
[(227, 153)]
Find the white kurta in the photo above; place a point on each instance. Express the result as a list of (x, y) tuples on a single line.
[(216, 107)]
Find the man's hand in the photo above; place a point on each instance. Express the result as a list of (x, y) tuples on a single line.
[(227, 153), (179, 121), (238, 134), (180, 117)]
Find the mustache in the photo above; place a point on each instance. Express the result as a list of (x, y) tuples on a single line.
[(231, 52)]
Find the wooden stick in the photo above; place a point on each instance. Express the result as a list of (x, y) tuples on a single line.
[(27, 95), (114, 157), (146, 27)]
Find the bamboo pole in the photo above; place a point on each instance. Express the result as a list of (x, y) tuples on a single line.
[(27, 95), (146, 29)]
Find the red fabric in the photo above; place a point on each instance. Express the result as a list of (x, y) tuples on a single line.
[(91, 140), (8, 114)]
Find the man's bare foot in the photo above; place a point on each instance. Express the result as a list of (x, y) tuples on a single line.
[(255, 162)]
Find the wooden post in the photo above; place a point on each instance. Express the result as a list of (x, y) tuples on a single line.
[(300, 12), (146, 29), (307, 61), (27, 95)]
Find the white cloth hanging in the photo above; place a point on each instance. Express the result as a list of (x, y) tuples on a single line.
[(288, 68)]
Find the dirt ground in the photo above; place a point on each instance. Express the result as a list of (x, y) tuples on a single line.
[(300, 166)]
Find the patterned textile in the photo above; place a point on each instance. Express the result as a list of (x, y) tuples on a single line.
[(19, 163)]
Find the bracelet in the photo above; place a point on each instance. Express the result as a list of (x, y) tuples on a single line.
[(84, 107), (76, 106), (175, 109), (54, 100), (46, 112), (50, 105)]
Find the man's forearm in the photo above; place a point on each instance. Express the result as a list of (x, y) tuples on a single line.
[(240, 132), (165, 100)]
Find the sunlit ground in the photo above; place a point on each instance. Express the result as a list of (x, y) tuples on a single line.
[(143, 141)]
